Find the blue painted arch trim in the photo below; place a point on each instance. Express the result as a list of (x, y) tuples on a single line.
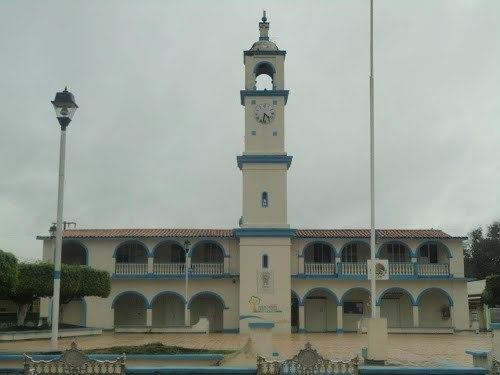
[(263, 62), (435, 289), (133, 292), (148, 253), (207, 241), (209, 293), (396, 290), (80, 243), (344, 246), (166, 242), (446, 248), (321, 289), (353, 290), (323, 242), (410, 251), (166, 293)]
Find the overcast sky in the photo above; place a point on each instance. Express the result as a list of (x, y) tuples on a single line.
[(155, 139)]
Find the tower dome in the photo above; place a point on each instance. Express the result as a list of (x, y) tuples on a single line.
[(264, 44)]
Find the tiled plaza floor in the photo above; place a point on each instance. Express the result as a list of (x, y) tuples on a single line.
[(404, 350)]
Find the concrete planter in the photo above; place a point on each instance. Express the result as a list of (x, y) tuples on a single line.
[(33, 335)]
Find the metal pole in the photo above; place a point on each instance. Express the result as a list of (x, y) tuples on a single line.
[(186, 323), (59, 232), (373, 287)]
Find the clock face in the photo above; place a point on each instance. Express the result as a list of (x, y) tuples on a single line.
[(264, 113)]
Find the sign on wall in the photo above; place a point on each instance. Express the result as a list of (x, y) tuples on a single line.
[(378, 269)]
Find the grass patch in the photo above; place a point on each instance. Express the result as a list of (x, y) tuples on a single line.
[(151, 348)]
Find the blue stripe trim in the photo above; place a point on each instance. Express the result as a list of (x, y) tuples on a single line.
[(495, 326), (261, 325), (245, 93), (151, 276), (264, 159), (264, 232), (57, 274), (422, 370)]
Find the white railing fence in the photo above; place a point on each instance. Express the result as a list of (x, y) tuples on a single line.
[(358, 268), (400, 269), (207, 268), (433, 269), (131, 268), (169, 268), (319, 268)]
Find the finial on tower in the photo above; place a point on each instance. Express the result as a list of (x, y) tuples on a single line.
[(264, 27)]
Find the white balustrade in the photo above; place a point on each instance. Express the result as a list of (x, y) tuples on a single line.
[(433, 269), (169, 268), (319, 268), (400, 269), (207, 268), (131, 268), (358, 268)]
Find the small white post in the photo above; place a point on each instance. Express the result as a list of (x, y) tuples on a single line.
[(415, 316)]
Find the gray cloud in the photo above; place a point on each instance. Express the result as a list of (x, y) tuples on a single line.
[(154, 141)]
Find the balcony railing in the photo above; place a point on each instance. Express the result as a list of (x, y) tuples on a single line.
[(401, 269), (207, 268), (131, 268), (169, 268), (319, 268), (358, 268), (433, 269)]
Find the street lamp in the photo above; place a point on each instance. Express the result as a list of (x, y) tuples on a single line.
[(65, 107), (186, 250)]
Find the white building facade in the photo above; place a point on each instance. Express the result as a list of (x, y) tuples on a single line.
[(302, 280)]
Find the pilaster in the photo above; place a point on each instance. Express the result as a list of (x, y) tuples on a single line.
[(415, 311), (149, 317), (301, 319), (340, 320)]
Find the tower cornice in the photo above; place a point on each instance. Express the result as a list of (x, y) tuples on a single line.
[(245, 93)]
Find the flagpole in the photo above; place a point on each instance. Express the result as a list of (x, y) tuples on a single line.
[(372, 173)]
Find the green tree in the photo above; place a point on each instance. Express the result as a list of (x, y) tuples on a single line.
[(482, 253), (491, 294), (8, 272), (36, 281)]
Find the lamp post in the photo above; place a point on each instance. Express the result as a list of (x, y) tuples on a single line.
[(186, 250), (65, 107)]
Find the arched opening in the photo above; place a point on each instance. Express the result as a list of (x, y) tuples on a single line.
[(353, 258), (169, 258), (319, 259), (168, 310), (130, 309), (294, 312), (207, 258), (433, 259), (264, 75), (434, 309), (264, 201), (74, 313), (355, 306), (74, 253), (399, 256), (320, 311), (209, 306), (397, 307), (131, 258)]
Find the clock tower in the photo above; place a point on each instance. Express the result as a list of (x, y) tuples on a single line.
[(264, 232)]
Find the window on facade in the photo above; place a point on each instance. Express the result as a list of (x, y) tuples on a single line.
[(396, 253), (320, 253), (350, 253), (353, 308), (265, 261), (264, 199), (429, 253), (212, 254), (131, 253)]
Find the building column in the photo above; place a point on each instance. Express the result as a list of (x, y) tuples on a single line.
[(113, 265), (415, 316), (414, 261), (149, 317), (187, 317), (377, 311), (301, 319), (301, 264), (340, 321), (150, 264), (226, 264), (452, 317)]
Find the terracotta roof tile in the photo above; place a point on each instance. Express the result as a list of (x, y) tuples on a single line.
[(228, 233), (161, 232)]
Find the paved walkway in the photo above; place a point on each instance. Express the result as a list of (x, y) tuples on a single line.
[(405, 350)]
